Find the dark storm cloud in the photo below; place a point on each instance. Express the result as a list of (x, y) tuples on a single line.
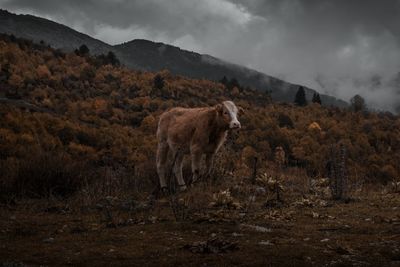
[(172, 20), (341, 47)]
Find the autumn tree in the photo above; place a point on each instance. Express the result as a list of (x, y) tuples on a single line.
[(97, 108), (4, 72), (300, 98), (15, 80), (285, 121)]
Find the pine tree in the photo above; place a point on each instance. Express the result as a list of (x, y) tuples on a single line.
[(112, 59), (158, 82), (316, 98), (300, 98), (224, 80), (233, 83), (82, 51), (357, 103)]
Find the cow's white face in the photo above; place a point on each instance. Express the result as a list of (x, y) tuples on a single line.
[(230, 112)]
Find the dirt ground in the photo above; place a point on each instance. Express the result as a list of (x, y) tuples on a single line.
[(299, 232)]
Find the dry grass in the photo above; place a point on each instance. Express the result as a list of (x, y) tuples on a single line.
[(125, 228), (112, 219)]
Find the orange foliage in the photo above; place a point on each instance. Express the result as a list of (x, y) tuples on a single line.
[(43, 72), (113, 112)]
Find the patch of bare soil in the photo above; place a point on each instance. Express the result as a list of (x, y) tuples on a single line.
[(298, 232)]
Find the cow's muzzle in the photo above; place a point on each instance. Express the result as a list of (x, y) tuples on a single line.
[(235, 125)]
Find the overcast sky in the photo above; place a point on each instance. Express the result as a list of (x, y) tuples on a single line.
[(339, 47)]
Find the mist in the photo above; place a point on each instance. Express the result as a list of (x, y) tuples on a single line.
[(340, 47)]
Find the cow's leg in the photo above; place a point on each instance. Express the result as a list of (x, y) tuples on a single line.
[(162, 154), (196, 160), (209, 164), (178, 171)]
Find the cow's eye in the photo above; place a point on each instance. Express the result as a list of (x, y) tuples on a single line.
[(226, 113)]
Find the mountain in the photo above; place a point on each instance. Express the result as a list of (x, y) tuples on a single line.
[(152, 56), (55, 34)]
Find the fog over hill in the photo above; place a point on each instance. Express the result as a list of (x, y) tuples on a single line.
[(153, 56)]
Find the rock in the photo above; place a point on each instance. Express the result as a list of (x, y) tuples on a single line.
[(257, 228), (152, 219), (325, 240), (48, 240), (260, 190), (315, 215), (236, 234), (265, 243)]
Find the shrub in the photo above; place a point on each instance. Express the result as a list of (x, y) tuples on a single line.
[(41, 174)]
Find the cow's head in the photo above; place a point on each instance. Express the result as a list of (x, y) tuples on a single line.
[(228, 113)]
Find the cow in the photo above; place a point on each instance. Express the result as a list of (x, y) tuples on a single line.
[(194, 131)]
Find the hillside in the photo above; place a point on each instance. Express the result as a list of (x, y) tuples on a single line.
[(52, 33), (78, 184), (151, 56), (89, 111)]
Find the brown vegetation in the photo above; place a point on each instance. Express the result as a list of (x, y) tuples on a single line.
[(80, 134), (90, 112)]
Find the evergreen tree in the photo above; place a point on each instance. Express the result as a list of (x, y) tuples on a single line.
[(82, 51), (233, 83), (230, 84), (316, 98), (357, 103), (224, 80), (112, 59), (300, 98), (158, 82)]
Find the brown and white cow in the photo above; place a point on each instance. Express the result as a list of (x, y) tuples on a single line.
[(194, 131)]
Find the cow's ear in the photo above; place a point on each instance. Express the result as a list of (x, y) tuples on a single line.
[(241, 110), (219, 108)]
